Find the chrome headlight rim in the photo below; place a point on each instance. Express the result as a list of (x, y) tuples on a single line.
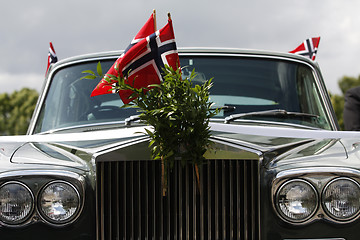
[(67, 221), (283, 215), (30, 212), (328, 212)]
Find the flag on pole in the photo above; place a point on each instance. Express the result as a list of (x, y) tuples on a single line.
[(143, 63), (52, 58), (308, 48), (149, 28)]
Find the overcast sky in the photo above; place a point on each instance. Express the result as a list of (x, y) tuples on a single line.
[(85, 26)]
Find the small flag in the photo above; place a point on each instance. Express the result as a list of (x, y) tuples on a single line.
[(52, 58), (143, 63), (308, 48)]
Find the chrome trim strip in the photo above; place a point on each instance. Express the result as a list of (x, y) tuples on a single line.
[(235, 144), (216, 200), (89, 125), (209, 177), (57, 173), (216, 127), (116, 147), (266, 123), (238, 195), (259, 194), (245, 205), (321, 170), (314, 239)]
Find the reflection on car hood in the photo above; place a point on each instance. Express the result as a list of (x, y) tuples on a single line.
[(50, 154), (286, 146), (278, 146)]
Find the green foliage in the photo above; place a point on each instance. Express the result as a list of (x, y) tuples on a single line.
[(338, 105), (180, 116), (345, 83), (177, 110), (16, 110)]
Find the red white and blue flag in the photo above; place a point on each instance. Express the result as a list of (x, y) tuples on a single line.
[(148, 29), (308, 48), (143, 62), (104, 87), (52, 58)]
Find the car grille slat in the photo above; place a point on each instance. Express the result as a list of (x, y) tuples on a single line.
[(222, 205)]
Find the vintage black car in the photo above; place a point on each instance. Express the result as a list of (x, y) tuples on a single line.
[(281, 169)]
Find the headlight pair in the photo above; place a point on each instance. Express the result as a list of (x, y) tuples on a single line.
[(58, 202), (297, 200)]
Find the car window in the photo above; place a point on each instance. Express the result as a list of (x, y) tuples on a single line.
[(68, 102), (259, 84), (241, 85)]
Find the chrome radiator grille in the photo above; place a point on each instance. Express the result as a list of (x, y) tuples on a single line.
[(131, 204)]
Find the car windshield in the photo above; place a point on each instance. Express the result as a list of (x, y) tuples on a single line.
[(241, 85)]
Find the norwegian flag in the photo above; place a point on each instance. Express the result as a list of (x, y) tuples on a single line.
[(142, 64), (103, 86), (148, 29), (308, 48), (52, 58)]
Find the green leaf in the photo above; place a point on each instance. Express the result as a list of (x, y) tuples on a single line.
[(154, 85), (89, 72), (99, 69), (151, 143), (89, 77), (128, 105), (148, 132)]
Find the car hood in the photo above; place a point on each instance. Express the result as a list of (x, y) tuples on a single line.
[(284, 147), (278, 147), (70, 150)]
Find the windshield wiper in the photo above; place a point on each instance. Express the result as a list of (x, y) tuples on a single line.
[(131, 119), (225, 108), (271, 113), (134, 118)]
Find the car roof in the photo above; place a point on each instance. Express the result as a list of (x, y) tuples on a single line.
[(195, 50)]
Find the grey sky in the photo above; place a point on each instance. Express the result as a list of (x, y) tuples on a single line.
[(85, 26)]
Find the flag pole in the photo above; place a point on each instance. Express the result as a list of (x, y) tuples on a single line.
[(154, 17)]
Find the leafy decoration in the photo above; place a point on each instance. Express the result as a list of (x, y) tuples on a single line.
[(179, 113)]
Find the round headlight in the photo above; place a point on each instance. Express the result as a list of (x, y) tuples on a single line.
[(59, 202), (16, 203), (341, 199), (297, 200)]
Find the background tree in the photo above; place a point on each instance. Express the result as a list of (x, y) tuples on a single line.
[(345, 83), (16, 110), (338, 105)]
